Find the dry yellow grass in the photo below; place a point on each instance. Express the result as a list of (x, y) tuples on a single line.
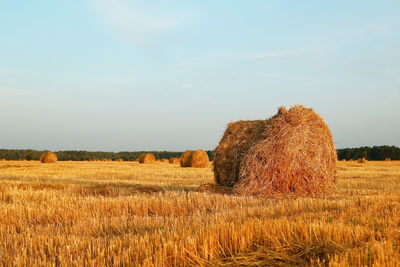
[(125, 213)]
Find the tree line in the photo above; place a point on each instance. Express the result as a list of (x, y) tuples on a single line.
[(370, 153), (29, 154)]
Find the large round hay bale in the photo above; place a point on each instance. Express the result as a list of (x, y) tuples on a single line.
[(48, 157), (297, 156), (119, 160), (174, 161), (186, 158), (147, 158), (199, 159), (238, 138), (388, 159)]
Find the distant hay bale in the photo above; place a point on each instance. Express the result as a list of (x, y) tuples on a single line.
[(119, 160), (174, 161), (3, 160), (362, 160), (199, 159), (195, 159), (185, 158), (388, 159), (297, 156), (147, 158), (48, 157), (165, 160), (343, 160)]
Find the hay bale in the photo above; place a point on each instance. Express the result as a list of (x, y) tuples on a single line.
[(147, 158), (238, 138), (48, 157), (186, 158), (174, 161), (195, 159), (199, 159), (292, 152), (362, 160), (388, 159), (119, 160), (297, 156), (3, 160), (164, 160)]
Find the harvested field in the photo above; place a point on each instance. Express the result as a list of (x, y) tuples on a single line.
[(126, 213)]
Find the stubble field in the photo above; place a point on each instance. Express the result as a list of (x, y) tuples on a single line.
[(125, 213)]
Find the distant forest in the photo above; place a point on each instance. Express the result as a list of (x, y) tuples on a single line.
[(370, 153), (29, 154)]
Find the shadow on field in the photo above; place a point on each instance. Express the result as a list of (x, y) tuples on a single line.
[(8, 166), (116, 190), (215, 189)]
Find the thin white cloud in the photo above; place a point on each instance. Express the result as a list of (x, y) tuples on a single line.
[(278, 54), (187, 85), (133, 23), (297, 51), (273, 75)]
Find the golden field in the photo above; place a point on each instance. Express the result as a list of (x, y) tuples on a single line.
[(125, 213)]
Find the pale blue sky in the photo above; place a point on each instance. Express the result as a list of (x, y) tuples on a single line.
[(118, 75)]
